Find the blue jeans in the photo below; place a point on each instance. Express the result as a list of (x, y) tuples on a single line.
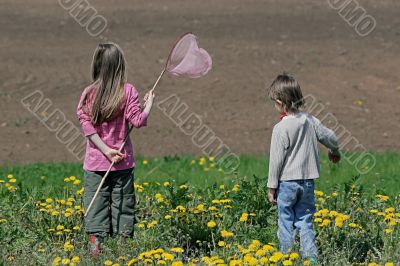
[(296, 208)]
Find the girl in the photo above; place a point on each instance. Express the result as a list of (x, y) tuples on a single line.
[(106, 108), (294, 164)]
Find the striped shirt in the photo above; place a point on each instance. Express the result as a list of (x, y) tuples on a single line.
[(294, 151), (112, 132)]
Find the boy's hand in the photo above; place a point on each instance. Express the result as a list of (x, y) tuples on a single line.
[(272, 195), (334, 156), (114, 155)]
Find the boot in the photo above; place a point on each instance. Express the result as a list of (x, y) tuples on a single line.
[(95, 242)]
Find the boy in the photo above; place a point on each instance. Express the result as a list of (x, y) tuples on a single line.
[(294, 164)]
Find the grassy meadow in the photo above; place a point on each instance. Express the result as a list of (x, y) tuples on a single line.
[(190, 213)]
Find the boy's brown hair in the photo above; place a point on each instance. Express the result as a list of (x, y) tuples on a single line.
[(286, 89)]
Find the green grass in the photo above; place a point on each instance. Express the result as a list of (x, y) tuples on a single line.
[(382, 178), (31, 214)]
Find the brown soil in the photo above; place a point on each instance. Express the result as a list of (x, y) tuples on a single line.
[(356, 78)]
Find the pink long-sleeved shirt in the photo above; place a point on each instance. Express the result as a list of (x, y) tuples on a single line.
[(112, 132)]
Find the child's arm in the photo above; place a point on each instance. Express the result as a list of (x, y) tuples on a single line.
[(327, 138), (84, 118), (112, 154), (134, 113), (148, 101), (278, 150), (90, 132), (272, 195)]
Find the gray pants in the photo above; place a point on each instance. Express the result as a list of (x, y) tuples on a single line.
[(113, 209)]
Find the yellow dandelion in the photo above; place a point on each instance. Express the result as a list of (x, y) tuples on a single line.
[(325, 223), (261, 253), (268, 248), (294, 256), (388, 230), (238, 262), (226, 234), (80, 191), (382, 198), (211, 224), (56, 261), (389, 210), (177, 250), (68, 246), (167, 256), (318, 193), (277, 256), (244, 217), (250, 260), (353, 225), (60, 227), (318, 220), (12, 188), (152, 224), (66, 261)]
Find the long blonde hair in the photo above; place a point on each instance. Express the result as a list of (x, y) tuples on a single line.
[(109, 77)]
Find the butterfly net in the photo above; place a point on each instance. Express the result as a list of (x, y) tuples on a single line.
[(187, 59)]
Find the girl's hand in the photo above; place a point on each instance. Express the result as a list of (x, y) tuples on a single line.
[(114, 155), (149, 98), (272, 195), (334, 156)]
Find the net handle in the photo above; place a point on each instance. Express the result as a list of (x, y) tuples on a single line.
[(159, 78)]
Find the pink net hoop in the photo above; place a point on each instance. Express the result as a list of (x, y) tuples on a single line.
[(187, 59)]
